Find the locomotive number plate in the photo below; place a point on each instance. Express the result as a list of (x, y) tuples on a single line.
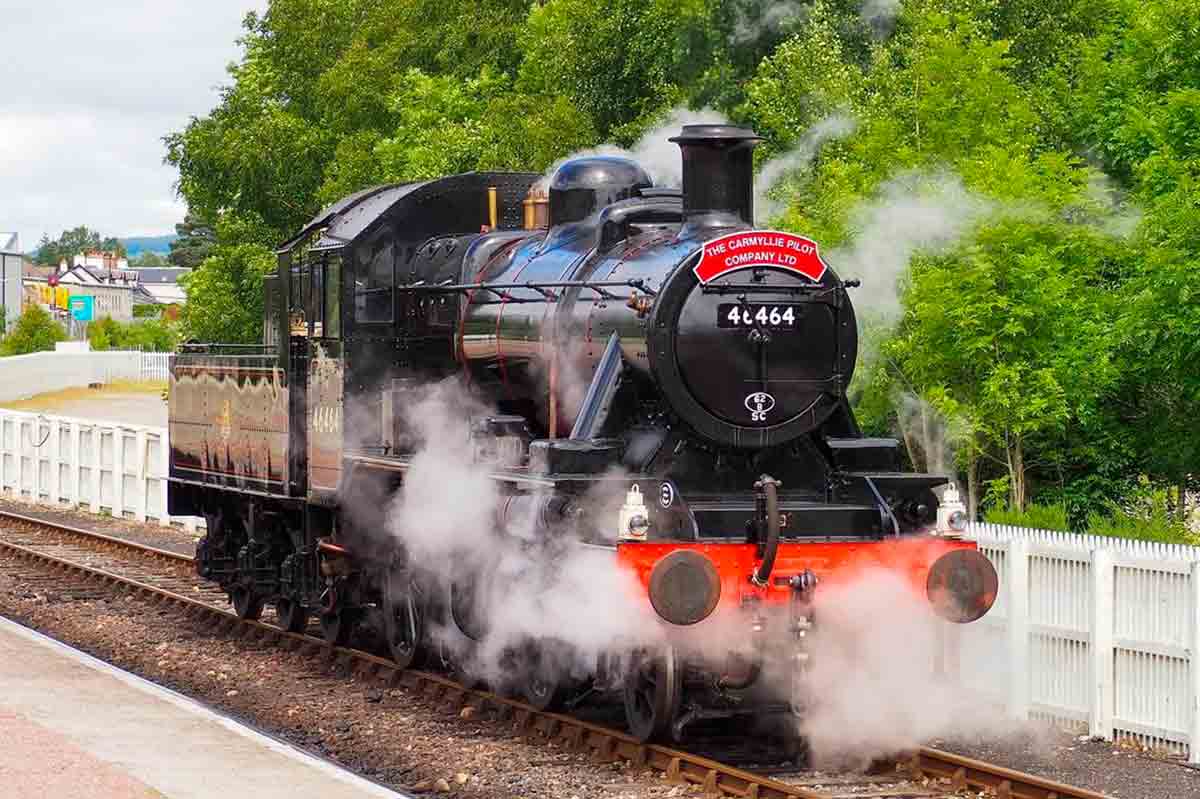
[(752, 315)]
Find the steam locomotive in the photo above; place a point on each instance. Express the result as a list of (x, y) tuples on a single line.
[(627, 335)]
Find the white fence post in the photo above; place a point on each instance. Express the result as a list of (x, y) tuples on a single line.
[(1100, 718), (118, 472), (1017, 598), (140, 493), (74, 466), (55, 443), (97, 467), (164, 460), (1194, 665)]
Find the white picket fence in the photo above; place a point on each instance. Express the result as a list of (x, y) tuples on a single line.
[(80, 463), (1097, 634), (156, 365)]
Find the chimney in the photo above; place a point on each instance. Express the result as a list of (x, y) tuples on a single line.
[(718, 174)]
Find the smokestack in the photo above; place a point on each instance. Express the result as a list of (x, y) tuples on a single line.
[(718, 173)]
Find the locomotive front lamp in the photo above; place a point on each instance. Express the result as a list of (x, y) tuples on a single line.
[(634, 523)]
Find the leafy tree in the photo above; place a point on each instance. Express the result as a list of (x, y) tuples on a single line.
[(34, 331), (149, 259), (152, 335), (73, 242), (225, 297), (193, 243)]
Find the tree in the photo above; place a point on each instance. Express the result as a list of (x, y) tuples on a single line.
[(193, 243), (152, 335), (225, 297), (34, 331), (149, 259), (73, 242)]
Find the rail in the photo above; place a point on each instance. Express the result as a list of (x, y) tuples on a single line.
[(603, 743)]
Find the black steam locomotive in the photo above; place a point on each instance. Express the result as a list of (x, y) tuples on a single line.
[(620, 332)]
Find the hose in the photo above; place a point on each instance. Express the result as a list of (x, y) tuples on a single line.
[(770, 488)]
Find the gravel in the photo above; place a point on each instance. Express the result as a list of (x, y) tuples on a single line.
[(419, 747), (393, 736), (174, 539)]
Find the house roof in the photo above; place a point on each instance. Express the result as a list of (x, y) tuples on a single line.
[(161, 274), (31, 270)]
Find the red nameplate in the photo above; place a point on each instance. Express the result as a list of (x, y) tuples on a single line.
[(760, 248)]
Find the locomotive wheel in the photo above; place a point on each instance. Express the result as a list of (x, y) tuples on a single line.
[(544, 692), (541, 686), (403, 624), (246, 603), (653, 694), (291, 615), (337, 626)]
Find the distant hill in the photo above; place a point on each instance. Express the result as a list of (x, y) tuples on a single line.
[(136, 245)]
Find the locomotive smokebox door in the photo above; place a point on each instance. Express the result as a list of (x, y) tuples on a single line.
[(753, 340)]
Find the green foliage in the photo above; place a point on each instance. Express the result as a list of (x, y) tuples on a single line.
[(1157, 526), (73, 242), (1038, 517), (1058, 329), (193, 244), (147, 310), (225, 297), (34, 331), (149, 259), (151, 335)]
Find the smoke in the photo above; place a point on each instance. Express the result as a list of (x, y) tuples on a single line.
[(927, 434), (523, 585), (658, 156), (874, 688), (911, 212), (880, 16), (1119, 216), (755, 19), (801, 157)]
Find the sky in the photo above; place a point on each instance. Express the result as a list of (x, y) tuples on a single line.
[(87, 91)]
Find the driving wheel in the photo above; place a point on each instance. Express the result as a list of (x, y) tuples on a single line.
[(653, 693)]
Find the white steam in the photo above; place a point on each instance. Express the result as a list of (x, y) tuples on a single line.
[(910, 212), (528, 587), (801, 157), (880, 16), (873, 682), (758, 18), (658, 156)]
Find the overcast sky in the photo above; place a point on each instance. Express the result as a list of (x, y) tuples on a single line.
[(87, 91)]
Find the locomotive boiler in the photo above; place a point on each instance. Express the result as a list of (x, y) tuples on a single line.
[(623, 334)]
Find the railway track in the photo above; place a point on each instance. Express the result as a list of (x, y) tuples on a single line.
[(83, 563)]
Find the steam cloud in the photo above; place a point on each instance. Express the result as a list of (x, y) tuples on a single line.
[(526, 587), (836, 126), (880, 16), (911, 212), (658, 156), (874, 689), (758, 18)]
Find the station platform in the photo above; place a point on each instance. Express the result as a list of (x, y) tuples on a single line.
[(73, 726)]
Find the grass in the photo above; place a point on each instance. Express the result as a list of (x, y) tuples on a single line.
[(53, 400)]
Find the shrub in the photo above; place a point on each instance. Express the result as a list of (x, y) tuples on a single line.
[(34, 331), (151, 335), (1039, 517), (1150, 521)]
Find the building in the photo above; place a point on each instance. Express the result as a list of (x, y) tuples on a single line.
[(102, 260), (162, 284), (115, 292), (11, 277)]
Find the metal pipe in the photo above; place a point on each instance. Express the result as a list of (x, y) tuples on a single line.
[(493, 214), (769, 486)]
